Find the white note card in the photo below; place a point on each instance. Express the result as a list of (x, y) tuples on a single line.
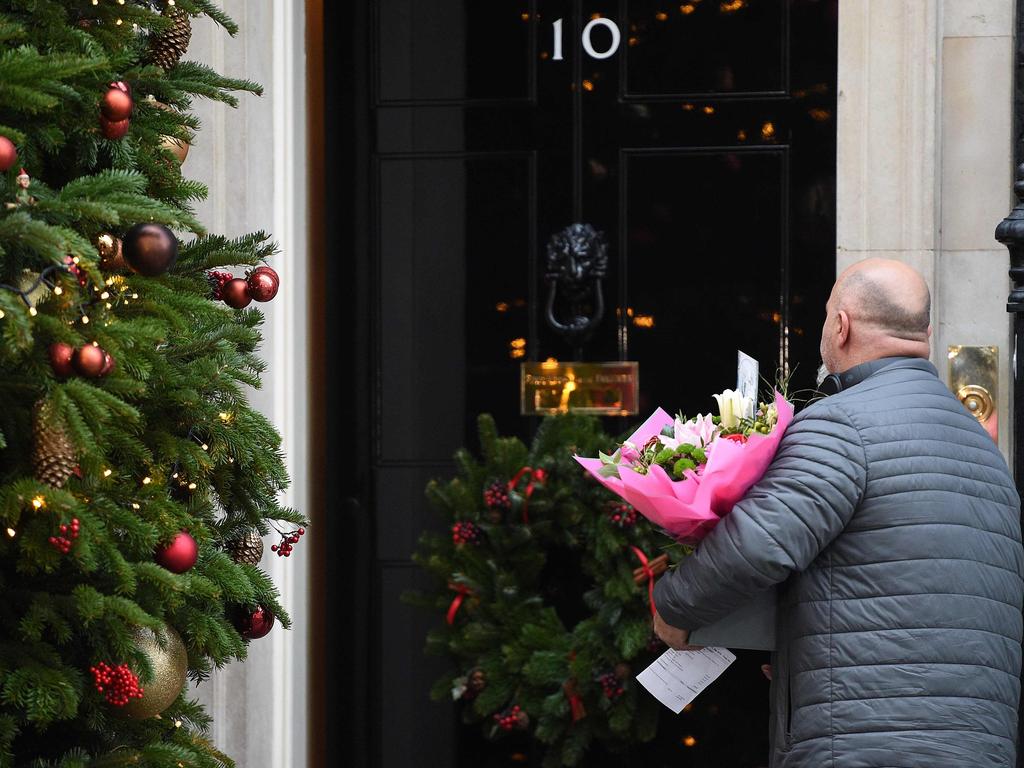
[(677, 677)]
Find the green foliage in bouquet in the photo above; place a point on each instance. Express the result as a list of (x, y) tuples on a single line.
[(543, 600), (145, 431)]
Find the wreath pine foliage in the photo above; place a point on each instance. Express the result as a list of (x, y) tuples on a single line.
[(538, 577)]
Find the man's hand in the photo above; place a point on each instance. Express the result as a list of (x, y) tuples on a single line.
[(677, 639)]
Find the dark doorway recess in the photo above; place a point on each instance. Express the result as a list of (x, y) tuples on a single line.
[(704, 149)]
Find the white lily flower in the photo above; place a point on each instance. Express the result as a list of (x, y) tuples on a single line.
[(732, 407)]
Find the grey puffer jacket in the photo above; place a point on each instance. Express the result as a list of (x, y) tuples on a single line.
[(892, 524)]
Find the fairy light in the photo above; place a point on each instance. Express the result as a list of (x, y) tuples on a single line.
[(119, 22), (95, 343), (85, 319), (2, 315), (57, 290), (206, 447), (108, 472), (135, 506), (105, 295), (32, 311), (224, 416), (11, 532), (191, 486), (231, 459), (147, 480), (135, 295), (38, 502), (109, 306)]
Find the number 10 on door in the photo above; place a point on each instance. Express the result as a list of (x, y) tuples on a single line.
[(585, 39)]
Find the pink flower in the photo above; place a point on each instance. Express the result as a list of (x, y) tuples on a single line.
[(699, 432)]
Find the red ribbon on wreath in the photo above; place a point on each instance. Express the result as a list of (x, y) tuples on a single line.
[(575, 701), (536, 477), (645, 564), (463, 593)]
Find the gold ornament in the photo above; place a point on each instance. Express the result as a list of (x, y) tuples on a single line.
[(169, 664), (111, 257), (176, 147), (167, 48), (53, 455), (248, 549)]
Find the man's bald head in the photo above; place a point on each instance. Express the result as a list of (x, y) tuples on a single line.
[(878, 308), (886, 295)]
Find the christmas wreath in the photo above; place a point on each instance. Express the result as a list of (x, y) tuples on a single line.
[(543, 594)]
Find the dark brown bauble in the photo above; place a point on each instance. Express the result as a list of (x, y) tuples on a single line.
[(89, 361), (248, 549), (116, 104), (169, 660), (236, 293), (253, 623), (108, 364), (8, 154), (60, 359), (114, 129), (179, 555), (53, 454), (111, 253), (263, 284), (150, 249)]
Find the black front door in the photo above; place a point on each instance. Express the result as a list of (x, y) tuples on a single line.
[(698, 136)]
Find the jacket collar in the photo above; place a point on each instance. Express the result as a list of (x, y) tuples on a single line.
[(854, 376)]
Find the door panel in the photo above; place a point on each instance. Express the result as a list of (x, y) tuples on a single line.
[(704, 149)]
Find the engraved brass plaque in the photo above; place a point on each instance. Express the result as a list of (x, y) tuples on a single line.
[(606, 389)]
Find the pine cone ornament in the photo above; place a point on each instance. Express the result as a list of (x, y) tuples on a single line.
[(248, 549), (53, 455), (167, 48)]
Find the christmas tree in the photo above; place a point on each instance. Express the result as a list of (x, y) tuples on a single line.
[(135, 481)]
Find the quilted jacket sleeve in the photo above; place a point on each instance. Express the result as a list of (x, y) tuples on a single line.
[(805, 499)]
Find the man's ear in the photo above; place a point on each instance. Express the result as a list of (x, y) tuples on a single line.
[(843, 331), (929, 330)]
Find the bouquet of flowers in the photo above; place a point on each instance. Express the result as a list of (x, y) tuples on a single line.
[(684, 475)]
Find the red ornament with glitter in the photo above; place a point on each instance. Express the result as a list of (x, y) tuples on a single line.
[(263, 283), (119, 684), (253, 623), (68, 534), (179, 555)]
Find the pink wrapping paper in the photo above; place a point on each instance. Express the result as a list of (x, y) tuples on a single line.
[(688, 509)]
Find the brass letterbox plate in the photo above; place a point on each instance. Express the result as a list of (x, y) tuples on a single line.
[(605, 389), (974, 379)]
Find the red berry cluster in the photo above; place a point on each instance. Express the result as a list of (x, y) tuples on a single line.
[(118, 684), (288, 540), (511, 718), (465, 533), (68, 534), (217, 280), (621, 514), (496, 496), (611, 685), (75, 270)]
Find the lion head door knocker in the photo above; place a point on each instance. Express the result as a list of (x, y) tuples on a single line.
[(577, 261)]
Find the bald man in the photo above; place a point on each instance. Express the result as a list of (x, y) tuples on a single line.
[(891, 526)]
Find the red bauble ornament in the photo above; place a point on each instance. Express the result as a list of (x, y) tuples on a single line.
[(117, 104), (108, 364), (236, 293), (89, 361), (114, 129), (263, 283), (253, 623), (150, 249), (8, 154), (60, 359), (180, 555)]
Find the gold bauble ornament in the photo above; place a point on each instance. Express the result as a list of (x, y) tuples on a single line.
[(170, 665), (176, 147)]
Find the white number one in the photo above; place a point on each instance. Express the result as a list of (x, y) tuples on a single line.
[(558, 41), (588, 46)]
